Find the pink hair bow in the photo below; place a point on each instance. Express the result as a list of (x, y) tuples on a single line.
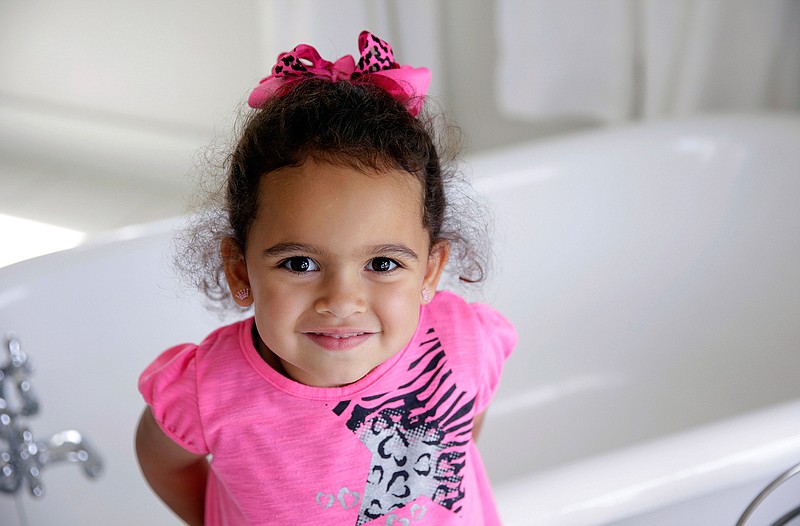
[(406, 84)]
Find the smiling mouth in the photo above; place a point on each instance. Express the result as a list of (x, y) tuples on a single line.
[(339, 335), (338, 340)]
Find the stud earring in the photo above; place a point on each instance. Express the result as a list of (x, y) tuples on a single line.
[(426, 295), (242, 294)]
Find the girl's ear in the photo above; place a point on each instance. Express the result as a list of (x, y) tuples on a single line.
[(436, 263), (236, 271)]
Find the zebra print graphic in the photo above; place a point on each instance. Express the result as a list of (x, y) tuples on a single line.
[(417, 434)]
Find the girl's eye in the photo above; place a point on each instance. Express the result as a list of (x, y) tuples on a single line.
[(300, 264), (382, 265)]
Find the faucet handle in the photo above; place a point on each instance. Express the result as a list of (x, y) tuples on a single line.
[(18, 369), (25, 457)]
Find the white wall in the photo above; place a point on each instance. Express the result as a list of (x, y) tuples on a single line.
[(104, 105)]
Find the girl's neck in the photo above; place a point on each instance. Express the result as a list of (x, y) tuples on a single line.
[(267, 355)]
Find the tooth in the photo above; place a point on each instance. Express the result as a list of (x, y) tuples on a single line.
[(339, 336)]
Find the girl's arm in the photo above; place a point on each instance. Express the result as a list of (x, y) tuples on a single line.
[(176, 475), (477, 424)]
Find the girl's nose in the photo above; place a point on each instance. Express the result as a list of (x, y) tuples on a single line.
[(341, 296)]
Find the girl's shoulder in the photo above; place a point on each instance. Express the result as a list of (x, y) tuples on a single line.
[(230, 335), (473, 338), (452, 316), (186, 358), (449, 306)]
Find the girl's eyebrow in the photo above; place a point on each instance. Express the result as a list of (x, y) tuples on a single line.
[(287, 249), (397, 250)]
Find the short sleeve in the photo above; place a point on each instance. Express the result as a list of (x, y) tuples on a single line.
[(499, 340), (169, 386)]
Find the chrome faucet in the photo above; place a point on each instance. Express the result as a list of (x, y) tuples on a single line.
[(21, 457)]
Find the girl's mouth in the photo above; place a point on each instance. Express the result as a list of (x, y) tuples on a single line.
[(338, 335), (338, 340)]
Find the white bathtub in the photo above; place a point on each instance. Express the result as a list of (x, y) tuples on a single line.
[(653, 273)]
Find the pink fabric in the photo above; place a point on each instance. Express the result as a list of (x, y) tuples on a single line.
[(392, 448), (376, 65)]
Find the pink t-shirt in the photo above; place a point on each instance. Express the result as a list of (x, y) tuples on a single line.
[(395, 447)]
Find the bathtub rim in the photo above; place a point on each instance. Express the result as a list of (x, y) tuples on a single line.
[(657, 473)]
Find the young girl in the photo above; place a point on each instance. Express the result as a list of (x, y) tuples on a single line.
[(354, 393)]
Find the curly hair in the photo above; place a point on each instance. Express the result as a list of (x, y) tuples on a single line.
[(343, 123)]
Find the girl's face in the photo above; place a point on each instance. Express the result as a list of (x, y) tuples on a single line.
[(336, 262)]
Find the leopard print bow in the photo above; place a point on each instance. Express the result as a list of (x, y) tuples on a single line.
[(376, 65)]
